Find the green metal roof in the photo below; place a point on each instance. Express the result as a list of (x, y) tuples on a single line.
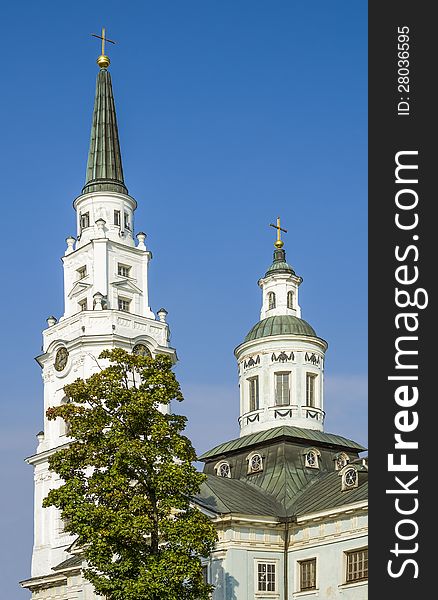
[(227, 496), (73, 561), (279, 265), (325, 492), (298, 433), (223, 495), (104, 167), (280, 325)]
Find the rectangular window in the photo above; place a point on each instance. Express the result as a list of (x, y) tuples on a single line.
[(123, 270), (205, 573), (127, 221), (308, 574), (266, 577), (282, 389), (124, 304), (253, 383), (83, 304), (82, 272), (117, 217), (357, 565), (310, 389), (85, 220)]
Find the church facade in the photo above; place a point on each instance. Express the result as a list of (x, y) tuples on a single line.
[(289, 501)]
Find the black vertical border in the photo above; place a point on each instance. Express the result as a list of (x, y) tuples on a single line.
[(388, 134)]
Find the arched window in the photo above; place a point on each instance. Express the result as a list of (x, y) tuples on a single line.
[(223, 469), (255, 463), (271, 300), (290, 300), (311, 458), (141, 350), (341, 459), (350, 479)]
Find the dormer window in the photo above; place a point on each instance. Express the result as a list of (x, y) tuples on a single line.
[(341, 460), (255, 463), (290, 300), (311, 458), (85, 220), (83, 304), (117, 218), (223, 469), (82, 272), (123, 270), (350, 479), (271, 300)]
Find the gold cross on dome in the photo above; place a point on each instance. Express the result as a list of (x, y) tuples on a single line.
[(279, 243), (104, 39)]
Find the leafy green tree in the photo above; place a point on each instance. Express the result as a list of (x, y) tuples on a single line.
[(128, 482)]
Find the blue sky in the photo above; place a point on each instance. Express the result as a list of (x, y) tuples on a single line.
[(230, 113)]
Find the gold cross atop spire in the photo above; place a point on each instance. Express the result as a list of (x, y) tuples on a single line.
[(103, 61), (279, 243)]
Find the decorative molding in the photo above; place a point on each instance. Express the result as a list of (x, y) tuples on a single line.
[(282, 413), (282, 357), (251, 362), (312, 358), (253, 418)]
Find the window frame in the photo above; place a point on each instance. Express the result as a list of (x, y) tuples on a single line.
[(301, 575), (341, 460), (126, 220), (289, 388), (123, 299), (83, 304), (84, 220), (267, 563), (250, 469), (349, 554), (253, 393), (82, 272), (117, 218), (316, 454), (272, 301), (121, 267), (349, 485), (217, 468), (311, 395), (290, 299)]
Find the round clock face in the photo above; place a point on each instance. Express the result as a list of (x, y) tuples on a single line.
[(141, 350), (61, 359)]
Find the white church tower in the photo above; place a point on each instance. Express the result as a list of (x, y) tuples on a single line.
[(106, 305), (281, 361)]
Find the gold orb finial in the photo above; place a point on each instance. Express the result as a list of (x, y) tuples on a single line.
[(103, 61), (279, 244)]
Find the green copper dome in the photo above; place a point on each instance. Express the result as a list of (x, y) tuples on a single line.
[(280, 325), (279, 265)]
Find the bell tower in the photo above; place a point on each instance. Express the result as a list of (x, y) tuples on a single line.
[(281, 360), (106, 304)]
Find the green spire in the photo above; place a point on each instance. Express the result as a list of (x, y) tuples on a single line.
[(104, 167)]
